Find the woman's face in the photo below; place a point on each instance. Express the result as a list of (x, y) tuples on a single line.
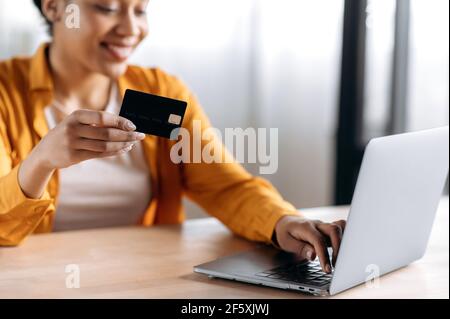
[(109, 31)]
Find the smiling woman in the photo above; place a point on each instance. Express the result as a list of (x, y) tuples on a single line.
[(111, 31), (68, 161)]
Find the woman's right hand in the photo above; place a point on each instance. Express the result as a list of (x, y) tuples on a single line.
[(81, 136), (85, 135)]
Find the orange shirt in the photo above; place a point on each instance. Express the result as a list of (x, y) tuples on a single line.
[(248, 205)]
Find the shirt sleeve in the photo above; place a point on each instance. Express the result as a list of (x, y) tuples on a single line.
[(19, 215)]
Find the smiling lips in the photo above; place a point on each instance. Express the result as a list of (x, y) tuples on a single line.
[(118, 52)]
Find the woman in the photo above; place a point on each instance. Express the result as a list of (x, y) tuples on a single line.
[(68, 161)]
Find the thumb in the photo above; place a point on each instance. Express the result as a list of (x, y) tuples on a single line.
[(299, 247), (307, 251)]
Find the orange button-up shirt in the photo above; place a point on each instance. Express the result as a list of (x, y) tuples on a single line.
[(248, 205)]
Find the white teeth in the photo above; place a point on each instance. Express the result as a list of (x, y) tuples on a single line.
[(122, 52)]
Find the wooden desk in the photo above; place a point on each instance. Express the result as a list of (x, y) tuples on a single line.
[(157, 263)]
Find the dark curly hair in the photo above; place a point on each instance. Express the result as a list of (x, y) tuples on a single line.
[(38, 4)]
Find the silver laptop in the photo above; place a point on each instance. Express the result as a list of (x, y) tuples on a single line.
[(392, 212)]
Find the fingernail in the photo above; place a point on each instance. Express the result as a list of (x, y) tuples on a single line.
[(328, 268), (309, 255), (127, 149), (140, 136), (130, 126)]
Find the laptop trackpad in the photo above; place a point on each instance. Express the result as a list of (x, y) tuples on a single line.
[(251, 262)]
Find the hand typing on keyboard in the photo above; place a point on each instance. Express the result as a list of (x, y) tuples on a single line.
[(310, 238)]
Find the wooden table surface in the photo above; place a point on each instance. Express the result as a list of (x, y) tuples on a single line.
[(157, 262)]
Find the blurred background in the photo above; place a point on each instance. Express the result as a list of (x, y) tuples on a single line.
[(329, 74)]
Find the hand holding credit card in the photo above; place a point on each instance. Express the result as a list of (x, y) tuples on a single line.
[(153, 114)]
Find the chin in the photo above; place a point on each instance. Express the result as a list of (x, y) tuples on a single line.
[(114, 70)]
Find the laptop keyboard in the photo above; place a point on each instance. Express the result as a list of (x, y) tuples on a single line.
[(305, 273)]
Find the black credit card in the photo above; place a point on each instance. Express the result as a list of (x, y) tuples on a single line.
[(153, 114)]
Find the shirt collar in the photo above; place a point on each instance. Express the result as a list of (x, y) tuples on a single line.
[(40, 76)]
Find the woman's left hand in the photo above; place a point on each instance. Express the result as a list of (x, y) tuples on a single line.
[(310, 238)]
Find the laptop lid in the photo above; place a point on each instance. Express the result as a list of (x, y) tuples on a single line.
[(394, 204)]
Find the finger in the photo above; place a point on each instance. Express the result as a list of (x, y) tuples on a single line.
[(334, 233), (117, 153), (100, 146), (317, 240), (320, 246), (103, 119), (108, 134), (87, 155), (307, 251), (341, 223), (298, 247)]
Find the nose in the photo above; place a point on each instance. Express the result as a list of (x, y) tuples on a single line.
[(129, 24)]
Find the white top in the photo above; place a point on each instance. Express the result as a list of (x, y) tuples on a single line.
[(105, 192)]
